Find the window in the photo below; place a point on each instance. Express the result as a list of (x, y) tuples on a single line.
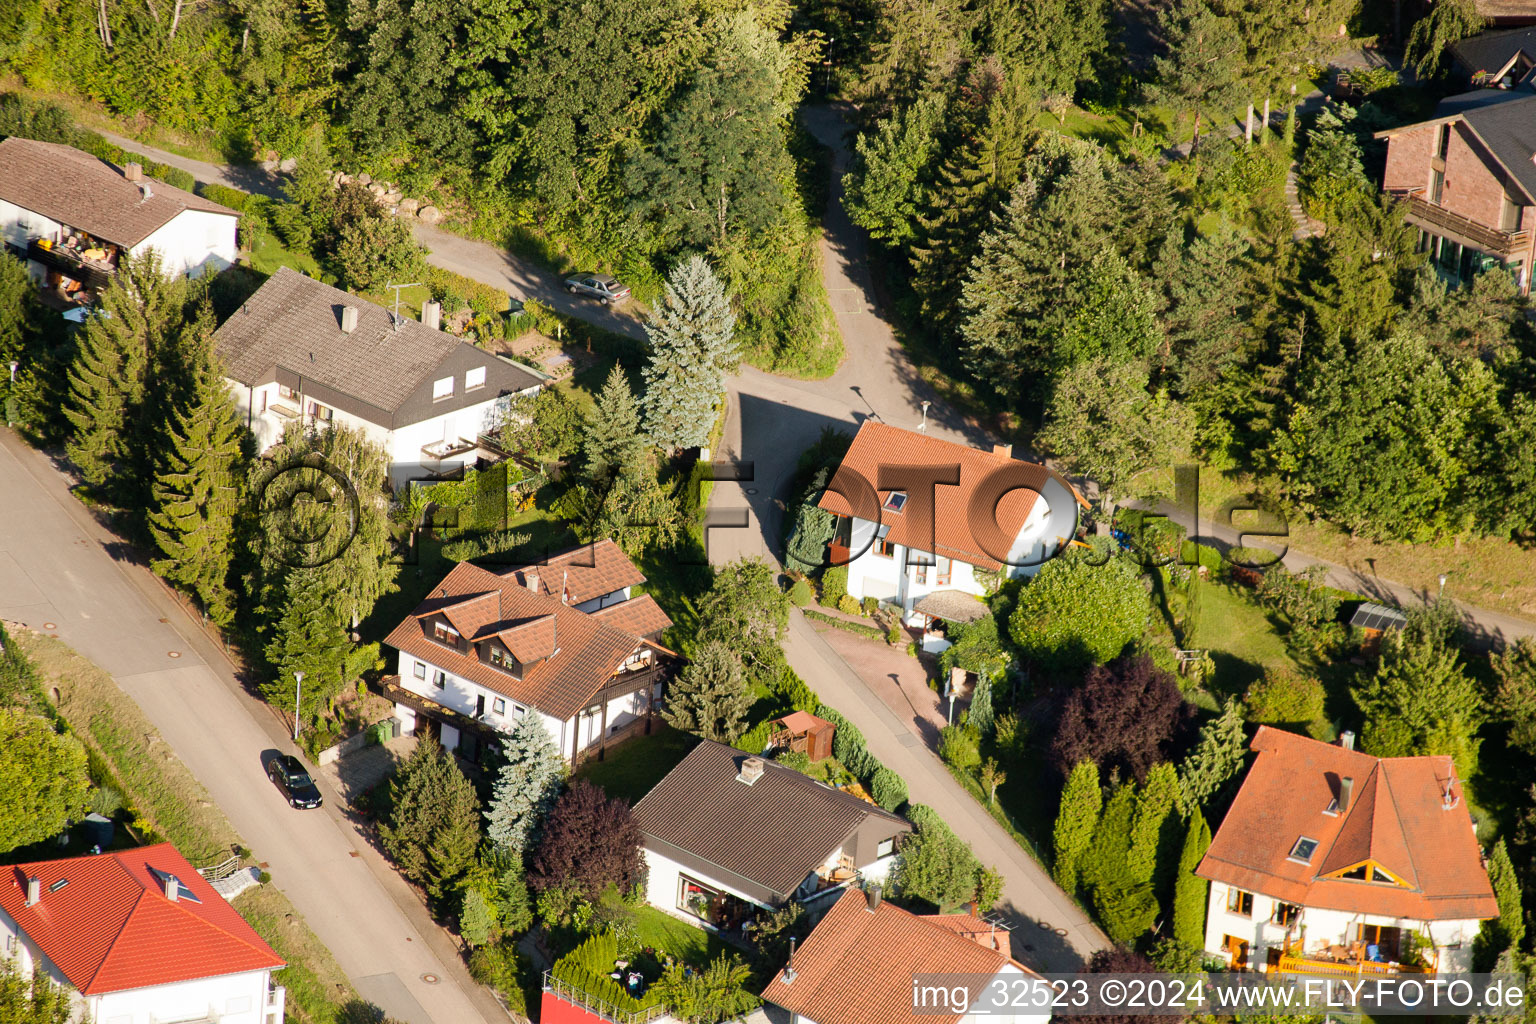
[(500, 658), (1436, 185), (421, 670), (1239, 902), (439, 679), (474, 378), (499, 706), (323, 413), (1443, 141), (885, 549), (895, 502), (283, 391), (442, 389), (1509, 214), (1286, 914), (920, 561), (943, 573), (1303, 849), (886, 847), (445, 633)]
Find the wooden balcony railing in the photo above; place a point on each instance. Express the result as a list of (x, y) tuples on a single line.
[(1292, 964), (1489, 240), (95, 274)]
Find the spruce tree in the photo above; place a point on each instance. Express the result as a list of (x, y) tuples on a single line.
[(1190, 891), (612, 442), (476, 920), (710, 697), (531, 777), (693, 347), (949, 231), (308, 638), (428, 799), (457, 835), (1216, 758), (199, 485), (1081, 801)]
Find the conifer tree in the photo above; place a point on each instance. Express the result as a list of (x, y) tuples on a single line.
[(199, 483), (529, 783), (308, 638), (1216, 758), (429, 798), (476, 921), (693, 347), (1081, 801), (1508, 929), (1154, 833), (1124, 901), (1190, 891), (457, 835), (710, 697), (612, 442)]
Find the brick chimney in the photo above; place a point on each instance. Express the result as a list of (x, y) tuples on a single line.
[(34, 890), (133, 171), (348, 319), (432, 314), (751, 770)]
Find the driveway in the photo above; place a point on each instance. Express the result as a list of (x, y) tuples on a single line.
[(62, 573)]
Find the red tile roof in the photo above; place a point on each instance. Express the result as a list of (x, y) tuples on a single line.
[(1396, 817), (856, 966), (110, 926), (969, 926), (481, 604), (956, 531), (640, 615), (801, 721), (592, 570)]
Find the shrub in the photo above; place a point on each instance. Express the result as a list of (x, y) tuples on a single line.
[(800, 594), (799, 760), (888, 789), (848, 604), (1285, 698), (869, 605), (224, 195), (497, 966), (894, 634), (834, 586), (959, 747), (794, 691), (848, 745)]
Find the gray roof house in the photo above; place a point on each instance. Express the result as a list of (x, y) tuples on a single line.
[(299, 351)]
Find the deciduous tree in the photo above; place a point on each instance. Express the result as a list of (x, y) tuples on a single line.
[(43, 779), (1124, 716), (38, 1000), (892, 169), (745, 610), (590, 842), (1080, 608)]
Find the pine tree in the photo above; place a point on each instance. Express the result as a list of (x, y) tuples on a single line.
[(1190, 891), (612, 442), (308, 638), (199, 485), (710, 697), (1508, 929), (693, 347), (1081, 801), (1216, 758), (527, 787)]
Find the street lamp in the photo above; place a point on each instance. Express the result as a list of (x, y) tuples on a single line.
[(298, 688), (1442, 587), (10, 398), (924, 425)]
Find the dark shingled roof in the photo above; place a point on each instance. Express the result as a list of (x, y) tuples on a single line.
[(85, 192), (1505, 121), (1490, 51), (770, 835), (290, 332)]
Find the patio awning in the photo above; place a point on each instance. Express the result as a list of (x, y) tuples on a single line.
[(952, 606)]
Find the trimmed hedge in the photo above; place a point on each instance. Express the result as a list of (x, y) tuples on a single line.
[(860, 628), (888, 788), (848, 746), (586, 969), (834, 585)]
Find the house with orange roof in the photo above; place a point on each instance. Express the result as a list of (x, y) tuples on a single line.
[(140, 937), (1331, 859), (928, 524), (864, 961), (564, 639)]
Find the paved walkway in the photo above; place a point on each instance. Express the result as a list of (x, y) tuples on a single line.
[(58, 566), (352, 776), (897, 678)]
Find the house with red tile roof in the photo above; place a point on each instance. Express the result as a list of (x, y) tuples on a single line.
[(859, 963), (1330, 856), (141, 937), (927, 524), (564, 639)]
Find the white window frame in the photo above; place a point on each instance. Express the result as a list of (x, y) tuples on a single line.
[(442, 389), (421, 670), (886, 847), (474, 378), (439, 679), (498, 706)]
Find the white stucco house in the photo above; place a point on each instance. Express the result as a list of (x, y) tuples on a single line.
[(727, 834), (563, 639), (866, 961), (301, 352), (140, 937), (1329, 857), (919, 517), (72, 216)]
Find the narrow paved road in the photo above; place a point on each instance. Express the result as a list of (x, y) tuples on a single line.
[(61, 572)]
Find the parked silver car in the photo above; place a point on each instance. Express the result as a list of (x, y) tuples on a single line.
[(602, 287)]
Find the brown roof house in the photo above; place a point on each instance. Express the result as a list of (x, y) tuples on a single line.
[(1330, 856), (486, 648), (865, 960), (72, 215), (299, 351), (919, 516), (728, 833)]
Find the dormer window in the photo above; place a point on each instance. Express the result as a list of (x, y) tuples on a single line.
[(474, 378), (444, 633), (895, 502), (1303, 850), (500, 658)]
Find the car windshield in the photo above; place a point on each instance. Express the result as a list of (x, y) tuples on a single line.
[(298, 779)]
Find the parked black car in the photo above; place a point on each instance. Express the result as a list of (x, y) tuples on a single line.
[(288, 774)]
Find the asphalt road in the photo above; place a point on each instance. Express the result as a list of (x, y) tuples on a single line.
[(62, 573)]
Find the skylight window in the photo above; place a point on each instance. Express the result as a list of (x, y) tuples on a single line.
[(56, 886), (895, 501), (1304, 849)]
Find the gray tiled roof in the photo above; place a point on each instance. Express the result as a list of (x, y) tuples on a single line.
[(85, 192), (1506, 122), (1490, 51), (291, 329)]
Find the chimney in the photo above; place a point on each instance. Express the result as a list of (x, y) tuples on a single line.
[(348, 319), (1005, 450), (1346, 787), (432, 314), (751, 770), (133, 171), (531, 580), (872, 898), (34, 890), (789, 968), (145, 192), (172, 887), (1347, 740)]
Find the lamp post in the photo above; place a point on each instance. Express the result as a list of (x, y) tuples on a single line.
[(924, 425), (298, 689), (1441, 594), (10, 398)]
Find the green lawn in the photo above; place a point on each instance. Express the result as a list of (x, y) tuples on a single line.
[(667, 934), (632, 768), (1224, 619)]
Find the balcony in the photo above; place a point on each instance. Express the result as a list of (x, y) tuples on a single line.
[(283, 411), (438, 450), (1340, 967), (94, 274), (276, 1003), (1442, 221)]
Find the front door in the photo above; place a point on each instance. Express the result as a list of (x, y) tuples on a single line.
[(1238, 949), (480, 706)]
